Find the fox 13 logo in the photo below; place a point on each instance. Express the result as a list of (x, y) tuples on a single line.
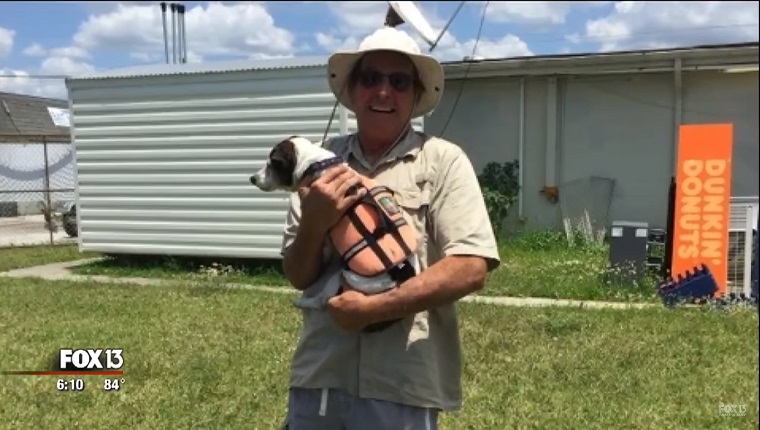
[(90, 359)]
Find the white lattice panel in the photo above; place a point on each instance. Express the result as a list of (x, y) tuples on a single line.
[(744, 213)]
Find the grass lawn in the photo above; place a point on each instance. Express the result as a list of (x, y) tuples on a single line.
[(28, 256), (539, 265), (213, 358)]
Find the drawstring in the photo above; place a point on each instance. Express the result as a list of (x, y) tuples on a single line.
[(323, 403)]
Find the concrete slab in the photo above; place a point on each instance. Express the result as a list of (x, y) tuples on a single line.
[(29, 230)]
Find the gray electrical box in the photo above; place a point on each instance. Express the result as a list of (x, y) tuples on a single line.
[(628, 251)]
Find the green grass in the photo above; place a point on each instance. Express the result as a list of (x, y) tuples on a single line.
[(535, 265), (265, 272), (217, 358), (28, 256)]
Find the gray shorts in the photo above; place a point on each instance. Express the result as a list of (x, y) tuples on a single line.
[(315, 409)]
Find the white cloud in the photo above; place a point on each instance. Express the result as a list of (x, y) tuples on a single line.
[(24, 84), (35, 50), (334, 43), (534, 13), (6, 41), (242, 30), (538, 13), (450, 49), (61, 61), (642, 25), (359, 19), (70, 51), (58, 65)]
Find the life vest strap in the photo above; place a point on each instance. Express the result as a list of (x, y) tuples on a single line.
[(370, 239), (361, 245)]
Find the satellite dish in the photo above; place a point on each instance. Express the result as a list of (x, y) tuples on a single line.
[(400, 12)]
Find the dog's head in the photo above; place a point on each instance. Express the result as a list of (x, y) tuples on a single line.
[(286, 163), (277, 174)]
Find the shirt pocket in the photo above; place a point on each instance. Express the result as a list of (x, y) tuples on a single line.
[(415, 205)]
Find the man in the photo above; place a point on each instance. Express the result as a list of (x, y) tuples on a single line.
[(401, 377)]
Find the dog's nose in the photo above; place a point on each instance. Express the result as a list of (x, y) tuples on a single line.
[(253, 180)]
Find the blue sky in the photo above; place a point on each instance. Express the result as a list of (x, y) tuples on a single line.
[(64, 38)]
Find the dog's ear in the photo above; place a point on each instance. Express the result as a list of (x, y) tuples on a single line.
[(282, 159)]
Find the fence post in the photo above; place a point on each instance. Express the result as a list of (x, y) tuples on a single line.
[(669, 229), (49, 219)]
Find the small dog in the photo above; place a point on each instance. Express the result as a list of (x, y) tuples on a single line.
[(377, 246)]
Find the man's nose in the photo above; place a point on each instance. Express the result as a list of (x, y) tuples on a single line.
[(384, 88)]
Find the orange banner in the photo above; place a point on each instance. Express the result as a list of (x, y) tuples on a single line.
[(703, 197)]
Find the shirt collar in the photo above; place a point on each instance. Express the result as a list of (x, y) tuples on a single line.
[(409, 146)]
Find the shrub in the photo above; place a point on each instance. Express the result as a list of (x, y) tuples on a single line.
[(500, 187)]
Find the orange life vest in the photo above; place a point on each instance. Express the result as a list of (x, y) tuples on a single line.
[(373, 237)]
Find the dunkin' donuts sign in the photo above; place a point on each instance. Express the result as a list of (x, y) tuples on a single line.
[(703, 196)]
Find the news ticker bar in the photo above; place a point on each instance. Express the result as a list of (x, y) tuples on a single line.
[(64, 373)]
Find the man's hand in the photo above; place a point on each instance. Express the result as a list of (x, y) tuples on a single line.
[(350, 310), (326, 199)]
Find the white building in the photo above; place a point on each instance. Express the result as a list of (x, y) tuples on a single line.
[(615, 115), (164, 152)]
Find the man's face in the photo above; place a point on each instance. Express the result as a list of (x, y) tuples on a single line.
[(384, 95)]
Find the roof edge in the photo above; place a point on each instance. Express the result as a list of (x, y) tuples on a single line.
[(205, 68), (621, 53)]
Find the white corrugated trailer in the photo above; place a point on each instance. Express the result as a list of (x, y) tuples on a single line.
[(164, 153)]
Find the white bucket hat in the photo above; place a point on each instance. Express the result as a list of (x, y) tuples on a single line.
[(430, 72)]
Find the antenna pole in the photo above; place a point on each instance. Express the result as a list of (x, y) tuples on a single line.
[(446, 27)]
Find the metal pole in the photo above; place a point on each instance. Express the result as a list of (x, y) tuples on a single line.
[(49, 219), (166, 40), (174, 33), (184, 36), (181, 31)]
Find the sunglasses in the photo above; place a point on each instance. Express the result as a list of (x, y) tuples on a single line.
[(399, 81)]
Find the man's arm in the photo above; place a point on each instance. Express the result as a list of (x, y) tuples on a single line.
[(445, 282), (462, 231)]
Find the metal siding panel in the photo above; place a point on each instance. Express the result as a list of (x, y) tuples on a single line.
[(620, 127), (713, 97), (163, 162), (484, 121), (539, 211)]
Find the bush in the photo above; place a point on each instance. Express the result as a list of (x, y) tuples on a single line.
[(500, 187)]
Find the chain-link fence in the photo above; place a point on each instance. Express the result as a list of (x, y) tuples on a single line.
[(36, 190)]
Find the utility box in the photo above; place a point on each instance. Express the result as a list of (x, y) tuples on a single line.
[(628, 251)]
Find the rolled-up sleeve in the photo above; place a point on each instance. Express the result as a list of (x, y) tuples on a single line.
[(461, 225)]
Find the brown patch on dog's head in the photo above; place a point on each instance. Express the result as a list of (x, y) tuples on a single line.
[(282, 161)]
